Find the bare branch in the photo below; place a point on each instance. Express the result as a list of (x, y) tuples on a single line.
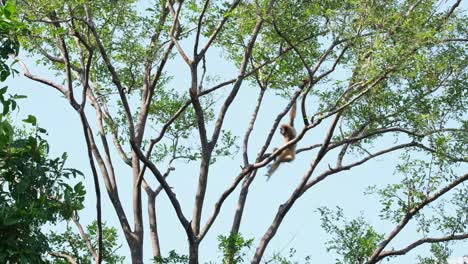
[(419, 242), (203, 178), (26, 72), (88, 134), (64, 256), (238, 83), (354, 164), (250, 127), (85, 237), (175, 27), (199, 26), (221, 200), (312, 82), (311, 147), (66, 59)]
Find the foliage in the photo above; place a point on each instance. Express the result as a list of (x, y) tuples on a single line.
[(9, 27), (172, 257), (289, 259), (233, 247), (73, 244), (440, 254), (354, 240), (35, 189)]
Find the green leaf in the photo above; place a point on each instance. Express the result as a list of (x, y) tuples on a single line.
[(3, 90), (31, 120), (18, 96), (9, 8)]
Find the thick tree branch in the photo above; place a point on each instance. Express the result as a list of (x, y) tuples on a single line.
[(112, 71), (172, 197), (88, 133)]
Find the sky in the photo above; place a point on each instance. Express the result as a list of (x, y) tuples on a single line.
[(300, 229)]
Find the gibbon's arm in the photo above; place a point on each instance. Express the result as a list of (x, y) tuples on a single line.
[(292, 114)]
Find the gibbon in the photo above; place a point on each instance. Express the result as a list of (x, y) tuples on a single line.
[(288, 154)]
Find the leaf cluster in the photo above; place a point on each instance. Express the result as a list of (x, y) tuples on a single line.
[(354, 240), (72, 244)]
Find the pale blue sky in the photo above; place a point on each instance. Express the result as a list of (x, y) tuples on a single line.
[(300, 229)]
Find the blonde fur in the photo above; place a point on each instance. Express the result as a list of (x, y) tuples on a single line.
[(289, 133)]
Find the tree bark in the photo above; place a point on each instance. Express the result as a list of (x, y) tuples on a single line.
[(153, 225), (241, 204), (137, 243), (193, 252), (136, 251)]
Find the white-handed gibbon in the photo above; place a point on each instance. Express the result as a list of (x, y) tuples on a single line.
[(289, 133)]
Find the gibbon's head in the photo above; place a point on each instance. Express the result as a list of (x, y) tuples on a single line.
[(287, 131)]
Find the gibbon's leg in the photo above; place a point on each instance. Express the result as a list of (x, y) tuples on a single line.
[(288, 158), (283, 157), (266, 155), (272, 168)]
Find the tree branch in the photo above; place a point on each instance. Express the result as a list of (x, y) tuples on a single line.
[(429, 199), (64, 256), (112, 71), (199, 26), (172, 197), (354, 164), (250, 127), (216, 31), (85, 237), (285, 207), (419, 242)]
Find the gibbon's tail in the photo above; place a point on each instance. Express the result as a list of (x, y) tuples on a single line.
[(292, 114)]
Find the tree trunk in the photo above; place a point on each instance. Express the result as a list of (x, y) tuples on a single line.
[(136, 251), (153, 225), (241, 204), (193, 253)]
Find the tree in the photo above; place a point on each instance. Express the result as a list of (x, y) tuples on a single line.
[(366, 71)]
